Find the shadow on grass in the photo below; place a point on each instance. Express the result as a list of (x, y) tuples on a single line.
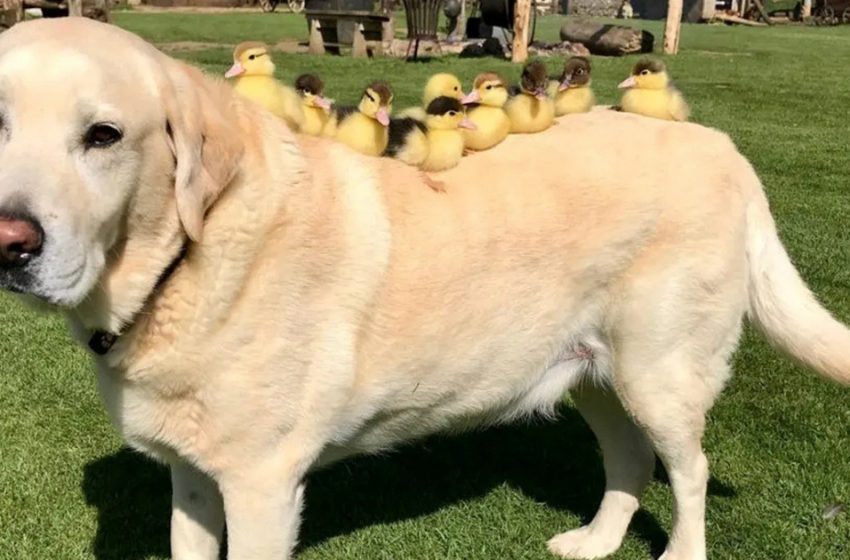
[(552, 463)]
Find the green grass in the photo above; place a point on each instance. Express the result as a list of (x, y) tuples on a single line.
[(777, 439)]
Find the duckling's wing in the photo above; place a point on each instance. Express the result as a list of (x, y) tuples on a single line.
[(417, 113), (291, 108), (679, 110), (399, 130), (342, 112)]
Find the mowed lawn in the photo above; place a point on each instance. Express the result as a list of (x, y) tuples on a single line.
[(778, 439)]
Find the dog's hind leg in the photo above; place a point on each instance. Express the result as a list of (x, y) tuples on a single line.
[(628, 460)]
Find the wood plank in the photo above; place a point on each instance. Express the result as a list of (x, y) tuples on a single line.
[(75, 8), (673, 27), (522, 20), (735, 19)]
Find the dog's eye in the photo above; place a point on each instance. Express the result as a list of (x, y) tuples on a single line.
[(102, 135)]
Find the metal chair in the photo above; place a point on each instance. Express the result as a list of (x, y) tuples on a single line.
[(422, 20)]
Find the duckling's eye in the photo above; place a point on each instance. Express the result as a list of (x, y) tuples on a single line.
[(644, 72), (580, 71), (102, 135), (252, 57), (490, 87), (456, 88), (452, 113)]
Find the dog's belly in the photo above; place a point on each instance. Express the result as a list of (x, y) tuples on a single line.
[(447, 399)]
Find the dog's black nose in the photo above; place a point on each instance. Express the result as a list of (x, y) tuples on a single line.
[(21, 239)]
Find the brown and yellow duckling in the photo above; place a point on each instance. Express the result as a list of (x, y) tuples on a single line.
[(531, 109), (366, 127), (316, 107), (650, 93), (571, 91), (486, 110)]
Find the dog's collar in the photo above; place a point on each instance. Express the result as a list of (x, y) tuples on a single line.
[(102, 341)]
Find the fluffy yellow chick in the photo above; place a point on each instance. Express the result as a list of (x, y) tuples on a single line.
[(438, 85), (316, 107), (649, 92), (365, 128), (572, 92), (253, 73), (445, 121), (435, 144), (487, 112), (531, 109)]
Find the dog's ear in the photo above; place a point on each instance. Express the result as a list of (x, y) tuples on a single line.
[(205, 139)]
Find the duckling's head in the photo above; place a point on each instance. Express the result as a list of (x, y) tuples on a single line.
[(648, 73), (440, 85), (534, 79), (576, 73), (251, 59), (446, 113), (377, 102), (310, 88), (488, 89)]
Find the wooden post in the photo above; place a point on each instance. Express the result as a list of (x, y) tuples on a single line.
[(521, 30), (358, 48), (673, 26), (807, 8), (75, 8), (317, 42)]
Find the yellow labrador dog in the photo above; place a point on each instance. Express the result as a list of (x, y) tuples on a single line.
[(260, 304)]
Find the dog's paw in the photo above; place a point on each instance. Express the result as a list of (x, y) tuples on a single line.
[(583, 543)]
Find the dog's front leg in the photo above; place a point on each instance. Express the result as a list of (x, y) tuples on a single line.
[(197, 516), (263, 510)]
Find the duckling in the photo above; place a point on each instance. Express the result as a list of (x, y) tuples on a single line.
[(531, 109), (572, 91), (254, 72), (649, 93), (438, 85), (316, 107), (365, 128), (444, 121), (433, 145), (492, 125)]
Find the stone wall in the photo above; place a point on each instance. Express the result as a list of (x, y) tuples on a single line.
[(693, 10)]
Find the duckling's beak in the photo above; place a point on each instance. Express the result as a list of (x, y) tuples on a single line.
[(541, 94), (628, 83), (467, 124), (235, 70), (382, 116), (565, 85), (471, 97), (322, 102)]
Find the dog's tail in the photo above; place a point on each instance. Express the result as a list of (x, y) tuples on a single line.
[(781, 304)]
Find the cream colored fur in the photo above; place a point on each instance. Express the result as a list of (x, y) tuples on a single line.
[(332, 304)]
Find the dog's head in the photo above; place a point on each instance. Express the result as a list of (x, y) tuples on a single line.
[(109, 151)]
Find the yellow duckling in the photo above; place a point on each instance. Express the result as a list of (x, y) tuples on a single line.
[(531, 109), (492, 125), (434, 145), (445, 122), (438, 85), (254, 72), (316, 107), (572, 91), (649, 93), (365, 128)]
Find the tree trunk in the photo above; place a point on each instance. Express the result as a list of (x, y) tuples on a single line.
[(607, 39), (674, 25), (522, 19), (75, 8)]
